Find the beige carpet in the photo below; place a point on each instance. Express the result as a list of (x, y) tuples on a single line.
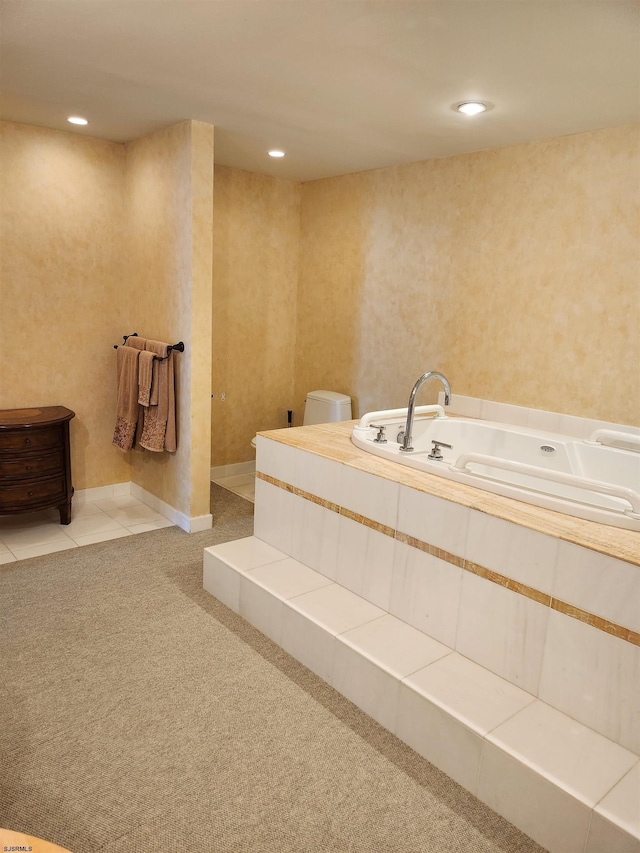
[(139, 714)]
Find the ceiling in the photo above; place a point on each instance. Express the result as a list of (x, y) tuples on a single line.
[(340, 85)]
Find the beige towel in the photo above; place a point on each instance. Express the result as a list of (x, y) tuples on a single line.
[(145, 374), (127, 397), (138, 343), (159, 430), (135, 341)]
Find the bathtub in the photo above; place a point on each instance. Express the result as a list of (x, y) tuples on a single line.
[(596, 479)]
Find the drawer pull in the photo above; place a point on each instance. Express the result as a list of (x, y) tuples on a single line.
[(30, 494), (27, 467), (27, 441)]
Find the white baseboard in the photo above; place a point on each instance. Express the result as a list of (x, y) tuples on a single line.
[(99, 493), (232, 470), (198, 523), (189, 524)]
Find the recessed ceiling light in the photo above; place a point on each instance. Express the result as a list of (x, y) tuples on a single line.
[(276, 153), (471, 108), (77, 120)]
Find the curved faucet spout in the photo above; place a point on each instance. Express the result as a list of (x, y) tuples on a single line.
[(406, 441)]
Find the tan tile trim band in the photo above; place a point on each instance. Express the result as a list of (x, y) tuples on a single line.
[(412, 542), (299, 492), (598, 622), (367, 522), (508, 583), (529, 592)]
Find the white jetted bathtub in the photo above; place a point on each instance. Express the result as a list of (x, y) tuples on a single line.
[(597, 479)]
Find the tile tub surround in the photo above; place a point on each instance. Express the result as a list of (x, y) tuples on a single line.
[(474, 571), (565, 785), (332, 441), (506, 413), (412, 556)]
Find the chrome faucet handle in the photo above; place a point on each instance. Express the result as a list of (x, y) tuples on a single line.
[(435, 450), (380, 438)]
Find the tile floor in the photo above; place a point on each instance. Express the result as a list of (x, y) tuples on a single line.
[(240, 484), (37, 533)]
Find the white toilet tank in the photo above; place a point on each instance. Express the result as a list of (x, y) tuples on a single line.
[(323, 407)]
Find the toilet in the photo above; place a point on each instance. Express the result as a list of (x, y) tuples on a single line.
[(323, 407)]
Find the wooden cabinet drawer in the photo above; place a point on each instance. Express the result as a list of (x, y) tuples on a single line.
[(35, 460), (24, 440), (32, 493), (29, 465)]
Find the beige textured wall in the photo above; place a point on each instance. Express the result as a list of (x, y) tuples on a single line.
[(62, 285), (98, 240), (515, 271), (332, 303), (169, 200), (256, 227)]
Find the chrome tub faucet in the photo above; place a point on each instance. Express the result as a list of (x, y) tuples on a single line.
[(406, 440)]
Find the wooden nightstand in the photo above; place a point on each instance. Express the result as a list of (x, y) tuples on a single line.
[(35, 460)]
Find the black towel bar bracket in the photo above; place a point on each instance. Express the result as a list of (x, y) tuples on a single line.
[(179, 347)]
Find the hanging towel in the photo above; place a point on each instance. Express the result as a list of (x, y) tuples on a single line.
[(136, 342), (159, 429), (127, 397), (145, 374)]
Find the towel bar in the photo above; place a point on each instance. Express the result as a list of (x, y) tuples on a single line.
[(179, 347)]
